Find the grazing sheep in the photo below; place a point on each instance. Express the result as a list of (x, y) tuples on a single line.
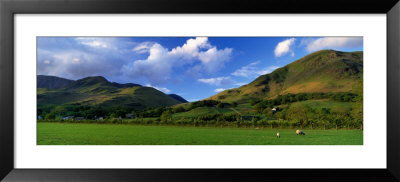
[(277, 135), (300, 132)]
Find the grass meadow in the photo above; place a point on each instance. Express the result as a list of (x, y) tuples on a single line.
[(119, 134)]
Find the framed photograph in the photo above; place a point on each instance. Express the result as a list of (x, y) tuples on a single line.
[(205, 91)]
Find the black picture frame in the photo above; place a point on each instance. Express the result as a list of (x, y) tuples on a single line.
[(9, 8)]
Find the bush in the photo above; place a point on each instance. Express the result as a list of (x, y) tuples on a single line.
[(166, 116), (234, 104), (178, 109)]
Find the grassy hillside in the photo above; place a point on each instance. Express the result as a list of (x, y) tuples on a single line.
[(97, 91), (323, 71)]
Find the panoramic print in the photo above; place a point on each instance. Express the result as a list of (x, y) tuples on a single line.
[(199, 91)]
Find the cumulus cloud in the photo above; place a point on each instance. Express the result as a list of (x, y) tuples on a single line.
[(162, 89), (214, 59), (253, 70), (191, 48), (118, 58), (334, 43), (217, 81), (158, 66), (210, 56), (284, 47)]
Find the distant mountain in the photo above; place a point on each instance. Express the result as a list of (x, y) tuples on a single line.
[(52, 82), (322, 71), (94, 84), (179, 98), (98, 91)]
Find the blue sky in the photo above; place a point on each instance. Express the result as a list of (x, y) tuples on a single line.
[(192, 67)]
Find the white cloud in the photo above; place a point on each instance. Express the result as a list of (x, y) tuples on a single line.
[(240, 84), (162, 89), (334, 43), (253, 70), (248, 70), (160, 62), (216, 81), (267, 70), (46, 62), (115, 44), (75, 60), (191, 48), (143, 47), (106, 44), (284, 47), (156, 68), (219, 89), (214, 59), (94, 43)]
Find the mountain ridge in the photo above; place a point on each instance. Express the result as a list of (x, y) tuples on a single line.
[(322, 71), (98, 91), (179, 98), (52, 82)]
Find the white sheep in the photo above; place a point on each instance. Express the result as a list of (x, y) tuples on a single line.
[(300, 132), (278, 135)]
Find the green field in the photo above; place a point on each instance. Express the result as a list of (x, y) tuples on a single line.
[(108, 134)]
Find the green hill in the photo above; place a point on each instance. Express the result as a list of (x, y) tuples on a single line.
[(323, 71), (97, 91)]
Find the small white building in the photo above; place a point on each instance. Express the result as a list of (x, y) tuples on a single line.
[(68, 118), (130, 116), (273, 109)]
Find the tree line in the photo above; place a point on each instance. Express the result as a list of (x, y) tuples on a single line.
[(267, 113), (289, 117)]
